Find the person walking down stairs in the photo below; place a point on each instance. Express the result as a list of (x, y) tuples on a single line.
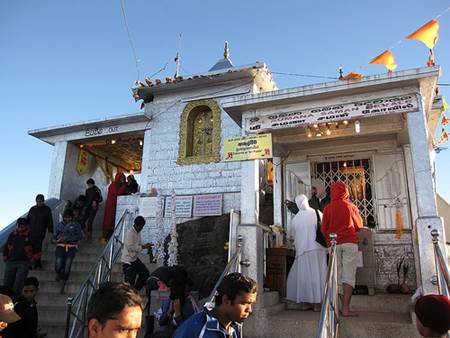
[(40, 220), (67, 236), (18, 255)]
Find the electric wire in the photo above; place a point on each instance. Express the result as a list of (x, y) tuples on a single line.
[(130, 40)]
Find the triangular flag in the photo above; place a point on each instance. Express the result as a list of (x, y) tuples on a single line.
[(428, 34), (444, 104), (445, 120), (443, 137), (386, 58), (351, 76)]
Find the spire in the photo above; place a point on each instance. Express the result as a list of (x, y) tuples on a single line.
[(226, 51), (224, 63)]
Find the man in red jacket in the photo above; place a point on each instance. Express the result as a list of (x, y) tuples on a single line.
[(342, 218)]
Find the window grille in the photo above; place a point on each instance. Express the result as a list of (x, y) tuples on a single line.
[(357, 176)]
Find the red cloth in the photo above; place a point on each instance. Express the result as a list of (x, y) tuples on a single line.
[(341, 216), (115, 189), (433, 311)]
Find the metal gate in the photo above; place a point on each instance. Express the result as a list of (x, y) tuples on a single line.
[(357, 176)]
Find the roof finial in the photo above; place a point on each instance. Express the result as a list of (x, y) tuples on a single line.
[(226, 51)]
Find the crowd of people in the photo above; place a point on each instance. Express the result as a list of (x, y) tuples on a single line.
[(116, 309)]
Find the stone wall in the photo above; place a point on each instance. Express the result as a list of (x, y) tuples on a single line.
[(161, 171), (388, 253)]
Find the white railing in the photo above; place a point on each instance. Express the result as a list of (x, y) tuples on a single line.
[(76, 320), (442, 273), (329, 315), (233, 265)]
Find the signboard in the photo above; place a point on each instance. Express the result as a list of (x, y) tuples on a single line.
[(345, 111), (249, 147), (148, 206), (183, 206), (98, 131), (208, 205)]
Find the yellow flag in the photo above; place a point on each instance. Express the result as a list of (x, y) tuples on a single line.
[(428, 34), (398, 223), (386, 58), (351, 76), (444, 104), (83, 162)]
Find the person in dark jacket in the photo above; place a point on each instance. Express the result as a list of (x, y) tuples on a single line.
[(314, 201), (79, 210), (93, 200), (132, 185), (40, 220), (26, 308), (67, 235), (18, 255)]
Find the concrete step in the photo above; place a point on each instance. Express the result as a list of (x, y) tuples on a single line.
[(376, 303), (75, 276), (304, 324), (53, 328), (270, 298)]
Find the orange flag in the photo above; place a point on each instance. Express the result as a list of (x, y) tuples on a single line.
[(443, 137), (386, 58), (445, 120), (428, 34), (351, 76)]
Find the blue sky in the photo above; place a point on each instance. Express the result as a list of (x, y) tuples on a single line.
[(69, 61)]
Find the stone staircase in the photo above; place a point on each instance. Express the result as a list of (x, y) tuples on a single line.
[(380, 316), (52, 305)]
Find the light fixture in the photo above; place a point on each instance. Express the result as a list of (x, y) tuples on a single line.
[(315, 125), (357, 127), (328, 131), (345, 164), (141, 143), (309, 133), (345, 122), (81, 146), (319, 134), (113, 141)]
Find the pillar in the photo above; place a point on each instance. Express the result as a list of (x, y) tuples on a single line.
[(427, 217), (57, 169), (252, 246)]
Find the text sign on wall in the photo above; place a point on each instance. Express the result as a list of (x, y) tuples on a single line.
[(148, 206), (208, 205), (183, 206), (97, 131), (346, 111), (249, 147)]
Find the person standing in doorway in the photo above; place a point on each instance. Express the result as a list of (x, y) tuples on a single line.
[(306, 279), (314, 201), (18, 255), (116, 188), (40, 220), (342, 218), (67, 235), (93, 200), (135, 272)]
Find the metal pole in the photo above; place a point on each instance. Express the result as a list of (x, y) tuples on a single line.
[(69, 312)]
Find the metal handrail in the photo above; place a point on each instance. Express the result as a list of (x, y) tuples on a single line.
[(442, 272), (76, 320), (329, 315), (233, 265)]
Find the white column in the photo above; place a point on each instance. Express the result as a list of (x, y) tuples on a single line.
[(57, 169), (145, 170), (428, 218), (252, 248), (277, 191)]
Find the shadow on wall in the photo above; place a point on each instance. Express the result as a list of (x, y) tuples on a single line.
[(202, 250), (444, 212)]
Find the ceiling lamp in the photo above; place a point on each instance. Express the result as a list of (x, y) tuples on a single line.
[(319, 134), (113, 141), (315, 125), (309, 134), (345, 122), (328, 131), (141, 143), (357, 127)]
